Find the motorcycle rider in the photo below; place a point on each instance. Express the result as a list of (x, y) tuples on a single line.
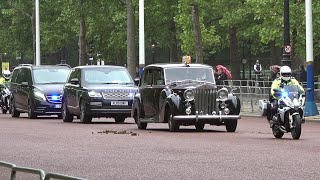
[(284, 79), (6, 75)]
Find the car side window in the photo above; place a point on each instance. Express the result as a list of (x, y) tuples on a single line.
[(147, 77), (28, 76), (15, 75), (158, 78), (72, 75), (21, 76)]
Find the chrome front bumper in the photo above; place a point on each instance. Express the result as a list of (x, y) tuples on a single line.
[(206, 117)]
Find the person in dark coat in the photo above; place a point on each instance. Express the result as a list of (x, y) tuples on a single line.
[(302, 74)]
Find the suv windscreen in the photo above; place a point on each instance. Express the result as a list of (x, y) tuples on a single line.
[(107, 76), (191, 73), (50, 76)]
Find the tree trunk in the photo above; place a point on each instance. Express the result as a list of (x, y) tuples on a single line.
[(234, 53), (131, 55), (82, 37), (174, 52), (197, 33)]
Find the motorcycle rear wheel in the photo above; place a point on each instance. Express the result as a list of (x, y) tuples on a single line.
[(296, 130)]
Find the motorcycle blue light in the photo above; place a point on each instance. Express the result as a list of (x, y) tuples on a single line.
[(284, 94)]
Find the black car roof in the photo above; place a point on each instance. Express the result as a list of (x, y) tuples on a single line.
[(31, 66), (98, 66), (50, 67), (175, 65)]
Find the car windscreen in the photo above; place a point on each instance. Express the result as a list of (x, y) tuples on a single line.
[(50, 76), (189, 73), (107, 76)]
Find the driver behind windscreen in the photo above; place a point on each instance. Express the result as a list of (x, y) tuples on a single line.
[(285, 79)]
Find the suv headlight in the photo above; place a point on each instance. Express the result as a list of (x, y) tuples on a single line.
[(94, 94), (39, 95), (188, 95), (222, 94)]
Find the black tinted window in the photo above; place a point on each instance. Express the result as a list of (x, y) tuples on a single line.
[(158, 78), (147, 77), (21, 76), (75, 73), (15, 75)]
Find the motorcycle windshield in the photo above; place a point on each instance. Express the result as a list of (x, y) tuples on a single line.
[(291, 91)]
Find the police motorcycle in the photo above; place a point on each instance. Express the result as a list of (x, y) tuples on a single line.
[(289, 115), (5, 98)]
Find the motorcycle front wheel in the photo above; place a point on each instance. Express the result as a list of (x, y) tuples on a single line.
[(296, 130), (277, 133)]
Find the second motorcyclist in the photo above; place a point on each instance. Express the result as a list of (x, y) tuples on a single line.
[(285, 79)]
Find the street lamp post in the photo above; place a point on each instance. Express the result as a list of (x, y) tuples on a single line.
[(286, 56), (37, 6)]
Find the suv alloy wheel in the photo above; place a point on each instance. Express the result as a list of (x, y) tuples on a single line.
[(66, 115), (14, 112), (85, 116), (31, 114)]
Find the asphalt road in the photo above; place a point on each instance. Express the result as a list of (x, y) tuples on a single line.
[(85, 150)]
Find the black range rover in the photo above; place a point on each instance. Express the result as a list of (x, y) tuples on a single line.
[(184, 94), (36, 90), (98, 91)]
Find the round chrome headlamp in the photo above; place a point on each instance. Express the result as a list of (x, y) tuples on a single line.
[(222, 94), (188, 95)]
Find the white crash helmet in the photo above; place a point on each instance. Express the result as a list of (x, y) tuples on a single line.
[(6, 74), (285, 73)]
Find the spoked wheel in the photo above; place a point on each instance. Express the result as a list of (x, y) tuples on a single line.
[(85, 116), (296, 130), (14, 112), (31, 114), (173, 125), (141, 125), (66, 115), (199, 126)]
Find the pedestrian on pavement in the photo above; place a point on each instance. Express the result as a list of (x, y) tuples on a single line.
[(257, 67), (222, 74), (302, 74), (275, 69)]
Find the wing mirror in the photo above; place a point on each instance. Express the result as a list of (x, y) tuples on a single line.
[(137, 81), (75, 81), (24, 84)]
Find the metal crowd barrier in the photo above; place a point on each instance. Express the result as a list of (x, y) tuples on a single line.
[(41, 173), (251, 91)]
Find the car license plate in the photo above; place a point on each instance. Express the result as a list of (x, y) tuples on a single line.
[(57, 106), (119, 103)]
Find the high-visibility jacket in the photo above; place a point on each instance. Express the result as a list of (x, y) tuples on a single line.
[(276, 84)]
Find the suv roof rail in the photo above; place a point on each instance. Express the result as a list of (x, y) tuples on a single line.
[(25, 64), (67, 65)]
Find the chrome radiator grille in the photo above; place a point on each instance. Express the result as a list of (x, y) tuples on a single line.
[(205, 100), (116, 94)]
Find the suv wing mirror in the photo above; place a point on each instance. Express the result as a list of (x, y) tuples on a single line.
[(75, 81), (25, 84), (136, 81)]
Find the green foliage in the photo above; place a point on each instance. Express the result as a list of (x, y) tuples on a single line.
[(259, 22)]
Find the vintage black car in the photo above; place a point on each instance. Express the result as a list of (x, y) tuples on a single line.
[(183, 94), (98, 91)]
